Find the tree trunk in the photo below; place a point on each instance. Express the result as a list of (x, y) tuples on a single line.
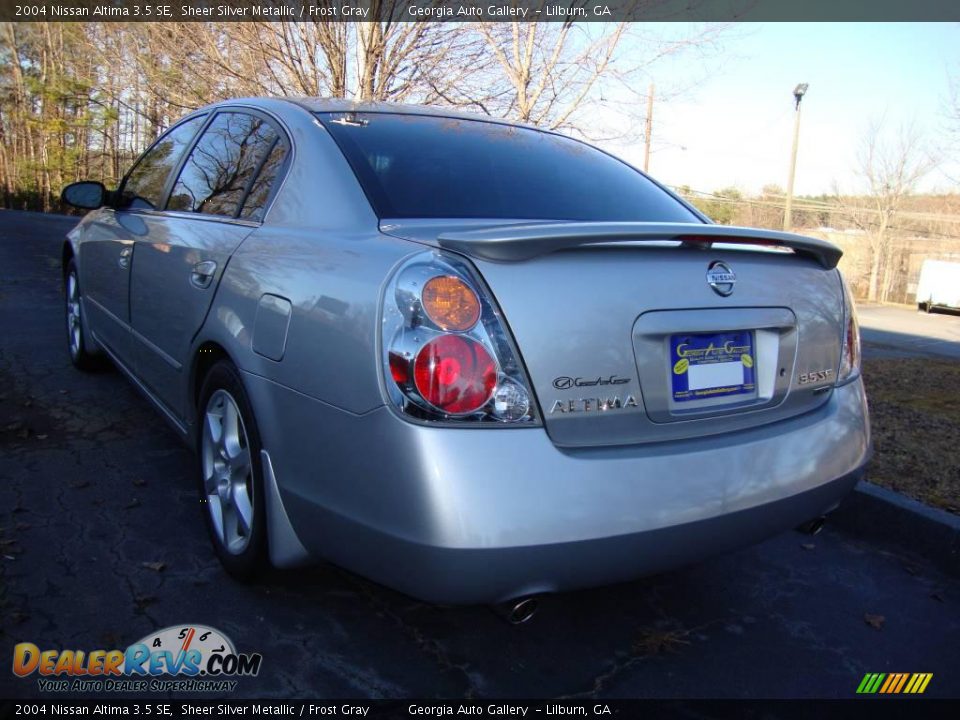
[(875, 259)]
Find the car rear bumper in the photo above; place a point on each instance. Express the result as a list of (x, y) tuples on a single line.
[(495, 574), (477, 515)]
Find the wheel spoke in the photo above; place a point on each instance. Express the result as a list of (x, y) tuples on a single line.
[(216, 515), (230, 525), (231, 427), (214, 428), (244, 510)]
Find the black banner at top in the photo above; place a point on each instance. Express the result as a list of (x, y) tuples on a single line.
[(475, 10)]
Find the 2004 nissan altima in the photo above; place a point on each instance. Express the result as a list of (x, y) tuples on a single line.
[(470, 360)]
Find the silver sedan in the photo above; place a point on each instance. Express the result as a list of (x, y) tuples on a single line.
[(473, 361)]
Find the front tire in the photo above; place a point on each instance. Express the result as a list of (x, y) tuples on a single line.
[(80, 355), (231, 476)]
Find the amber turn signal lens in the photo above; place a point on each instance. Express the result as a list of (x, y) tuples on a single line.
[(451, 303)]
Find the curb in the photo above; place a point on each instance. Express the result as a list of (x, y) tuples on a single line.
[(877, 513)]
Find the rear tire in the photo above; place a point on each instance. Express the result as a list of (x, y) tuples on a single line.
[(230, 472), (80, 355)]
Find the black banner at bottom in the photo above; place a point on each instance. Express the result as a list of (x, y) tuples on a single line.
[(872, 707)]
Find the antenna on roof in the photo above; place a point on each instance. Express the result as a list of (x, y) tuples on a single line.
[(351, 120)]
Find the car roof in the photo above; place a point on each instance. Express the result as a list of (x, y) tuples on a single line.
[(335, 105)]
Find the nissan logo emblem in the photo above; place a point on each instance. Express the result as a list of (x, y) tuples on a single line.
[(721, 278)]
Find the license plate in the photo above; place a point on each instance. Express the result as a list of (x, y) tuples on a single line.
[(711, 365)]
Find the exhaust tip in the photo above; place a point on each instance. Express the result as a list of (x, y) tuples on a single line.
[(519, 611), (813, 527)]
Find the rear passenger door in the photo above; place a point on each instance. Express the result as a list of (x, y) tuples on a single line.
[(219, 197)]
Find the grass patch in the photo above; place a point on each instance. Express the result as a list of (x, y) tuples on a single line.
[(915, 414)]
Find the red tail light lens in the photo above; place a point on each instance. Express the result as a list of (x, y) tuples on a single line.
[(455, 374), (850, 349)]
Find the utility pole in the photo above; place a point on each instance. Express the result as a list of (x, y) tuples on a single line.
[(646, 151), (798, 93)]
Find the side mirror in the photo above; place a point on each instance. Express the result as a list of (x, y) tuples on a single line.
[(88, 195)]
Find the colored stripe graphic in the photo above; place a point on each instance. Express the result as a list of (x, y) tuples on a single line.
[(894, 683), (903, 681), (923, 679), (891, 680)]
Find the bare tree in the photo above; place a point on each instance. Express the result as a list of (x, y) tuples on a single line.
[(951, 112), (81, 100), (558, 75), (548, 68), (890, 167)]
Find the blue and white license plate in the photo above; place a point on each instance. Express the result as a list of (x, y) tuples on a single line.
[(711, 365)]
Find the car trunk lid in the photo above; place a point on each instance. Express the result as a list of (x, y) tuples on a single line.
[(645, 332)]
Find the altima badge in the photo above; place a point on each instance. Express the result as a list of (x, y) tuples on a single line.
[(721, 278), (601, 404)]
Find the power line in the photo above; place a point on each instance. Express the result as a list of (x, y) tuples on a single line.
[(813, 205)]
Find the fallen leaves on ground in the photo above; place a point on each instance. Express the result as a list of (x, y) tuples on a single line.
[(874, 621), (656, 641)]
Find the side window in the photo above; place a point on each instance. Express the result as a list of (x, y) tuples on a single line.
[(144, 185), (256, 202), (222, 165)]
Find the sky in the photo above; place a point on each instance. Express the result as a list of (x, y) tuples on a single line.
[(734, 127)]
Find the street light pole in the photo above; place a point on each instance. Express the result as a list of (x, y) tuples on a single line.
[(798, 93)]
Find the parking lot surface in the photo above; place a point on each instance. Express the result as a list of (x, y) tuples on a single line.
[(101, 543), (898, 331)]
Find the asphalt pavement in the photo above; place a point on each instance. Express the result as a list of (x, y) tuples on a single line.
[(101, 543), (901, 331)]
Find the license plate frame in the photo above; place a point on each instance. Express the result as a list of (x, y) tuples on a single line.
[(707, 366)]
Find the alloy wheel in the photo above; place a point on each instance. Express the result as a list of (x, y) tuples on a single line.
[(74, 326), (227, 472)]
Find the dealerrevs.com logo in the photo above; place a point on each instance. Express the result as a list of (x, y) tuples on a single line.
[(197, 658)]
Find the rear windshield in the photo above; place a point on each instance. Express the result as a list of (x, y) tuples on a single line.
[(413, 166)]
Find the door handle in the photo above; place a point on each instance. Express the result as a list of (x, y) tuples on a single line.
[(125, 254), (202, 274)]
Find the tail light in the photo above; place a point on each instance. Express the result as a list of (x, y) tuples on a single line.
[(850, 350), (454, 374), (447, 355)]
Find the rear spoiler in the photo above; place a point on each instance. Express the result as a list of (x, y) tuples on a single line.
[(508, 243)]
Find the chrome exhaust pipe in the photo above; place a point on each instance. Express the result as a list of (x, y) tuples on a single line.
[(519, 610), (812, 527)]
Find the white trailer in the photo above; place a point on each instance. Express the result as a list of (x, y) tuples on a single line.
[(939, 285)]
